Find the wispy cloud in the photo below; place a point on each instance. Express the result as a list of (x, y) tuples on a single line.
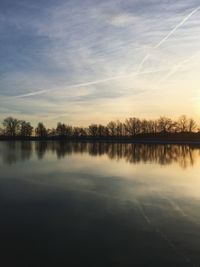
[(178, 66), (134, 74), (163, 40), (67, 57), (177, 27), (121, 19)]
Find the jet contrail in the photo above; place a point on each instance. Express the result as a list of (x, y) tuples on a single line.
[(141, 63), (32, 93), (179, 65), (168, 35), (91, 82), (176, 27), (138, 72)]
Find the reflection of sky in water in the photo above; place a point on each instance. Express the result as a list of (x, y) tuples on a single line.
[(86, 165), (156, 198)]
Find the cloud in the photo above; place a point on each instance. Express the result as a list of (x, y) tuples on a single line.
[(177, 27), (179, 65), (170, 33), (121, 19), (60, 56), (95, 82)]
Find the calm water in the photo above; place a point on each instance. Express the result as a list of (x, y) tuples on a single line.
[(65, 204)]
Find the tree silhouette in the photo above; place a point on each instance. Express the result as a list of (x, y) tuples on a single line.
[(79, 131), (25, 129), (183, 123), (41, 131), (12, 126), (112, 128), (192, 125), (93, 130), (130, 128), (164, 124), (61, 129)]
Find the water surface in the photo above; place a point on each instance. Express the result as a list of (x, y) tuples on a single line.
[(96, 204)]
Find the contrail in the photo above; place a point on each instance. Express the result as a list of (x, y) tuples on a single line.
[(177, 26), (121, 76), (141, 63), (32, 93), (168, 35), (178, 66), (91, 82)]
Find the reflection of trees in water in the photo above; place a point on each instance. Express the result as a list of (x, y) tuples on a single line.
[(61, 149), (16, 151), (41, 148), (184, 155), (162, 154)]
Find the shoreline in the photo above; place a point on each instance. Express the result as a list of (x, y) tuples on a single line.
[(125, 140)]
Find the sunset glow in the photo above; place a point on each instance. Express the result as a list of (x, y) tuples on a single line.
[(95, 61)]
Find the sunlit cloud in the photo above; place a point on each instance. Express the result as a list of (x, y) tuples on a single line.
[(85, 61), (163, 40), (178, 66), (91, 83)]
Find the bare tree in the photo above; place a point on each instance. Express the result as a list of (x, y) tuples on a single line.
[(93, 130), (119, 128), (112, 128), (192, 125), (101, 130), (41, 130), (51, 132), (79, 131), (132, 126), (145, 126), (61, 129), (25, 129), (183, 123), (164, 124), (152, 126), (11, 126)]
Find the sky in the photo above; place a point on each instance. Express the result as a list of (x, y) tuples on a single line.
[(90, 61)]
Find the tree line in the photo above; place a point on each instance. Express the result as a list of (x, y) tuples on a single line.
[(12, 127)]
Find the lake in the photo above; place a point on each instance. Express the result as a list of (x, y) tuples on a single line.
[(99, 204)]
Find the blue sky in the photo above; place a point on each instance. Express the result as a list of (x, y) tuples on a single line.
[(93, 61)]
